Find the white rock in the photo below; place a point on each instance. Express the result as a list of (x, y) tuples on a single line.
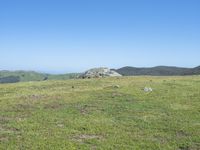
[(99, 72), (148, 89)]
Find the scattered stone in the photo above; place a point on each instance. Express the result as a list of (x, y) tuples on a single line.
[(99, 73), (116, 86), (60, 125), (148, 89)]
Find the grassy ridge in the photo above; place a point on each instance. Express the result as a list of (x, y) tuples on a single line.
[(159, 71), (94, 114), (24, 76)]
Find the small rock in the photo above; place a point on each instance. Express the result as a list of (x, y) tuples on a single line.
[(60, 125), (116, 86), (148, 89)]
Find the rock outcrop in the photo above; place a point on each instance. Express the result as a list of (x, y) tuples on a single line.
[(99, 72)]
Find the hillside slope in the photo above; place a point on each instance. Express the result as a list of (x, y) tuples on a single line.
[(158, 71), (21, 76), (97, 114)]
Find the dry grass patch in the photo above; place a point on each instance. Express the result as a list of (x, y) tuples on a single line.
[(54, 105), (83, 137)]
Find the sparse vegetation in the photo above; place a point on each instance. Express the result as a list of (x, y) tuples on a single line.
[(94, 114)]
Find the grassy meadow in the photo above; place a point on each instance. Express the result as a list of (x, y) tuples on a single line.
[(108, 113)]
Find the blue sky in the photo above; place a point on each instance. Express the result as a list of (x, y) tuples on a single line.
[(59, 36)]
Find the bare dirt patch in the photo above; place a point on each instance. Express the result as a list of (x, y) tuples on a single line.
[(8, 129), (181, 134), (33, 97), (86, 109), (22, 107), (160, 139), (3, 138), (180, 106), (4, 120), (54, 105), (83, 137), (115, 94)]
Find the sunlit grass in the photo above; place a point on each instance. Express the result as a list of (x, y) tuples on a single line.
[(95, 114)]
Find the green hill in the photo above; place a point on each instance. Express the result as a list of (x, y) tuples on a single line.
[(10, 76), (108, 113), (158, 71), (23, 75)]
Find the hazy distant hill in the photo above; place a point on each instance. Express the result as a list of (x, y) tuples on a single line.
[(20, 76), (158, 71)]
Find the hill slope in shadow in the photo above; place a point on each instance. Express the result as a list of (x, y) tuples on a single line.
[(158, 71)]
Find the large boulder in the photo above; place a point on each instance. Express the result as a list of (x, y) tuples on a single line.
[(99, 72)]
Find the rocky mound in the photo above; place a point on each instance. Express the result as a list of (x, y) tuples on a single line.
[(99, 72)]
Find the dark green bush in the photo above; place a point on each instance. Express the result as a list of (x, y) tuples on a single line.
[(10, 79)]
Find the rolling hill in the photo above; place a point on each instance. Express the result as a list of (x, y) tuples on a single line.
[(158, 71), (23, 76)]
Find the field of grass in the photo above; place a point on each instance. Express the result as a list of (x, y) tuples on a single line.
[(97, 114)]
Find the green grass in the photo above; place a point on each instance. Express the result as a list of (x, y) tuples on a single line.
[(96, 115)]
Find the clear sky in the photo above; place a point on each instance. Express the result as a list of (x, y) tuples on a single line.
[(61, 36)]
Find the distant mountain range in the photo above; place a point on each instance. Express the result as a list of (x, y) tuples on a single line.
[(158, 71), (20, 76)]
